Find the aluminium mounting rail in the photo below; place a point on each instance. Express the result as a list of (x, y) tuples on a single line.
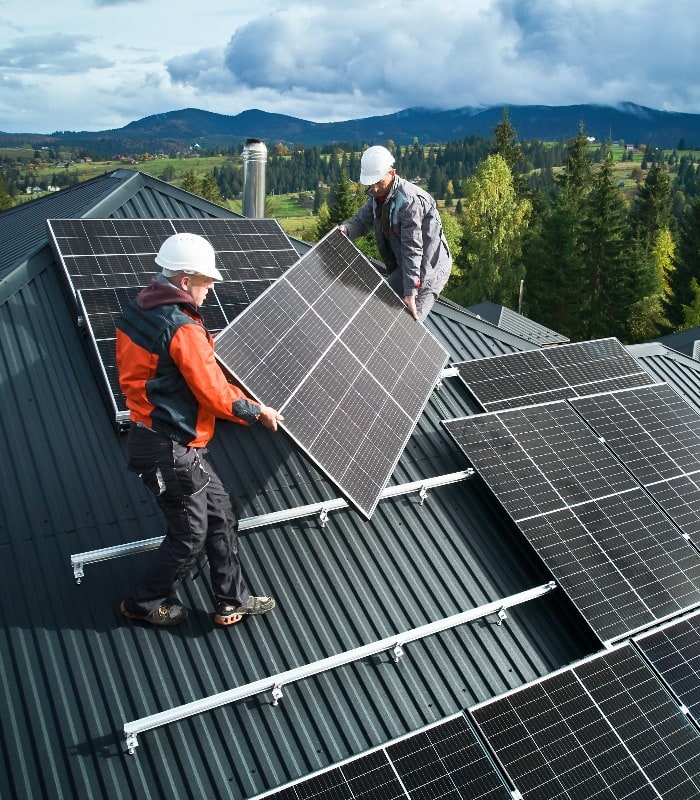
[(79, 560), (275, 683)]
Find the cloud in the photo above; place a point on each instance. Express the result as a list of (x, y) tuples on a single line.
[(57, 53)]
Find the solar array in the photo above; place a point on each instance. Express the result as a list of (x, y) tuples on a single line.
[(553, 373), (612, 549), (332, 348), (607, 728), (656, 434), (445, 761), (674, 652), (107, 261)]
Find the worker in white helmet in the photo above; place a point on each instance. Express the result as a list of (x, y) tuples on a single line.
[(175, 390), (408, 231)]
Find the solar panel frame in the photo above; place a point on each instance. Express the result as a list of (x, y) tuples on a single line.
[(557, 372), (334, 349), (104, 258), (617, 555), (605, 728)]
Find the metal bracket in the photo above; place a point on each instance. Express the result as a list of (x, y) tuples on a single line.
[(423, 494), (132, 743), (323, 517), (277, 694), (501, 616), (79, 572), (397, 652)]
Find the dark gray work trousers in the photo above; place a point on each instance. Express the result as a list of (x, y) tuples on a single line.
[(198, 512)]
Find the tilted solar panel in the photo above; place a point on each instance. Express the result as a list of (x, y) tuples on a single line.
[(674, 652), (656, 434), (552, 373), (334, 349), (606, 728), (107, 261), (617, 555), (446, 761)]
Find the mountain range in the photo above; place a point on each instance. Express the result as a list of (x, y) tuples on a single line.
[(627, 121)]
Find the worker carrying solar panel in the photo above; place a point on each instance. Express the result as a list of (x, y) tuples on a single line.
[(408, 231), (175, 391)]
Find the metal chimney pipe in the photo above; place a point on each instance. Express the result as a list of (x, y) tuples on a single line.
[(254, 160)]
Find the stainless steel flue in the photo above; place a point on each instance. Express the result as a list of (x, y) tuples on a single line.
[(254, 161)]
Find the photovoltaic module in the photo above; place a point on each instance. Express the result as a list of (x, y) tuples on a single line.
[(333, 348)]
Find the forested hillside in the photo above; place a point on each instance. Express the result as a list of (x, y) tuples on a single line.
[(588, 238)]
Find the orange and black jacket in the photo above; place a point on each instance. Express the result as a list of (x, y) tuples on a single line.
[(167, 370)]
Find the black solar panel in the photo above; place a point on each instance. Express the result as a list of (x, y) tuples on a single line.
[(445, 762), (553, 373), (107, 261), (333, 348), (604, 729), (616, 554), (674, 652), (656, 434)]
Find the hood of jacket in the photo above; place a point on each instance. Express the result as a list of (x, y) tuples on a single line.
[(161, 292)]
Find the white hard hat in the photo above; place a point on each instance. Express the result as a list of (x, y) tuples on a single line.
[(189, 253), (375, 163)]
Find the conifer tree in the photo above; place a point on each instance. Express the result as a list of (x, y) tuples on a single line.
[(687, 266)]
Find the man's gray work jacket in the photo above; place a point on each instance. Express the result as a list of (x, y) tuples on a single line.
[(414, 241)]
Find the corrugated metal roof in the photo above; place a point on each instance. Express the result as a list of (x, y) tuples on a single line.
[(74, 671), (509, 320)]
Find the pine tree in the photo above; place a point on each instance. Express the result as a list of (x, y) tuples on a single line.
[(606, 286), (5, 199), (687, 265)]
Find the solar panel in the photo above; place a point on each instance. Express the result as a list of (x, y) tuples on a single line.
[(553, 373), (333, 348), (620, 559), (656, 434), (445, 761), (674, 652), (107, 261), (606, 728)]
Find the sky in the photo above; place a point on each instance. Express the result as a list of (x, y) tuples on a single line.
[(99, 64)]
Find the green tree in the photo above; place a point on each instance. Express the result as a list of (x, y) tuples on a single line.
[(5, 199), (606, 286), (191, 183), (556, 281), (344, 200), (208, 188), (686, 265), (691, 312), (489, 266)]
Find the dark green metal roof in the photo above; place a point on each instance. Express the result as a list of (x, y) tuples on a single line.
[(74, 671)]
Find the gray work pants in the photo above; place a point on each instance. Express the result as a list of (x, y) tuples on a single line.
[(199, 514)]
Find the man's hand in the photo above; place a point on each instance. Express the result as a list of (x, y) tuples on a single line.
[(411, 303), (269, 417), (343, 229)]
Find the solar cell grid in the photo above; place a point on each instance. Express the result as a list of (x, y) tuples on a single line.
[(620, 559), (605, 729), (444, 762), (333, 348), (554, 373), (674, 651)]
